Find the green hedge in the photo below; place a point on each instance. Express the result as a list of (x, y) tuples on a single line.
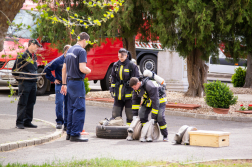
[(238, 79), (218, 95)]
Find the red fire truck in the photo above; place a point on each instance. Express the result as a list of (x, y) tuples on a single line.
[(100, 59)]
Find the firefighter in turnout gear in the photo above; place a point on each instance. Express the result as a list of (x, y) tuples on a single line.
[(121, 73), (154, 100)]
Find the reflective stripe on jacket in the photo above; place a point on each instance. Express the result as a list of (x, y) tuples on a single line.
[(121, 75)]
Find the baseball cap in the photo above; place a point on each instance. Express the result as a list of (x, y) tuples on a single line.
[(34, 41)]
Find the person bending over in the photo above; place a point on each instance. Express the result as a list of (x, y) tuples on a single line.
[(154, 100)]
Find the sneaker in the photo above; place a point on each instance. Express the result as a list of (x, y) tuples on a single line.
[(165, 139), (59, 126)]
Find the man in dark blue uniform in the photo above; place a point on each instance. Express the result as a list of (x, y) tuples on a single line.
[(56, 65), (26, 65), (75, 69)]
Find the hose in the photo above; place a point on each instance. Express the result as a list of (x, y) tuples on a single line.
[(137, 130), (150, 131)]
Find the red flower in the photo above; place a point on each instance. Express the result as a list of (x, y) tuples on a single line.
[(250, 104), (241, 105)]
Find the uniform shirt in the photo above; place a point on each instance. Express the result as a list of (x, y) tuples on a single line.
[(75, 55), (55, 65), (31, 67)]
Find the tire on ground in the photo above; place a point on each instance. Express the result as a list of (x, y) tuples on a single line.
[(41, 83), (112, 132), (106, 82), (148, 62)]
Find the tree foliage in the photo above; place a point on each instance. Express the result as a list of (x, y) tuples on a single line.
[(60, 23), (123, 19), (195, 28), (188, 24)]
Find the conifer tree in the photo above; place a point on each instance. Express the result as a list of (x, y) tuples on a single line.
[(237, 35), (193, 28)]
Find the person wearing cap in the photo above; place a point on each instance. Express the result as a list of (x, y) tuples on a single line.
[(73, 73), (56, 65), (27, 86), (122, 71)]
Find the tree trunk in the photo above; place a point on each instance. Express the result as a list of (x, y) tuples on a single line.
[(248, 79), (196, 73), (129, 44), (8, 10)]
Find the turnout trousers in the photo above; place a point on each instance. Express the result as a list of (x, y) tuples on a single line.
[(118, 108), (61, 106), (76, 107), (144, 113), (27, 98)]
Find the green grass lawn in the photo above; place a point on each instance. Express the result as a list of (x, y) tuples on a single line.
[(106, 162)]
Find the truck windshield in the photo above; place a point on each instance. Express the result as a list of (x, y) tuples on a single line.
[(25, 17)]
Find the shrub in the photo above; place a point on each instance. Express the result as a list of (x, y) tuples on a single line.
[(238, 79), (86, 85), (218, 95)]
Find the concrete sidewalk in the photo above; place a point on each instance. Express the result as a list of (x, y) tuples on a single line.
[(13, 138)]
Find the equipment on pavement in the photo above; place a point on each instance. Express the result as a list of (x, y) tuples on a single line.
[(182, 137), (134, 131), (150, 131), (112, 128)]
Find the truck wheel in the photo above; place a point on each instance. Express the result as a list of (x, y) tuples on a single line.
[(112, 132), (41, 83), (148, 62), (106, 82)]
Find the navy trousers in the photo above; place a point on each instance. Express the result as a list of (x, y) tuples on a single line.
[(60, 101), (27, 98), (76, 107)]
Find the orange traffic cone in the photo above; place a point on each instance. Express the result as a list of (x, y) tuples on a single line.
[(84, 133)]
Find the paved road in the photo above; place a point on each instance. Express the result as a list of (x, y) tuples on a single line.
[(62, 150)]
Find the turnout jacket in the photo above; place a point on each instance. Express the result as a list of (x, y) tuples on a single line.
[(121, 74), (153, 94), (28, 66)]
